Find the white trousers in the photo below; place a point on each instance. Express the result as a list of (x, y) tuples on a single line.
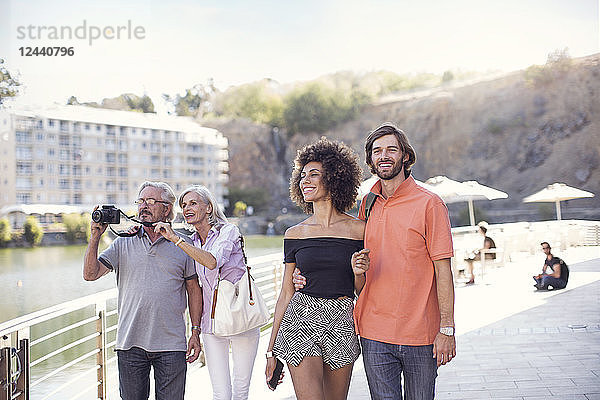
[(243, 352)]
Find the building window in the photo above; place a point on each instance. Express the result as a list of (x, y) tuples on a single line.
[(23, 198), (23, 137), (50, 122), (23, 153), (87, 127), (111, 157), (23, 168), (64, 184)]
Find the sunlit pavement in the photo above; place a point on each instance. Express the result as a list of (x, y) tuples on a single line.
[(513, 342)]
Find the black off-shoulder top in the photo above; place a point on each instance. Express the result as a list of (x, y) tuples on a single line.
[(326, 264)]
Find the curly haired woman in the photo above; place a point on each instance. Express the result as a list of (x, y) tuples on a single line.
[(313, 329)]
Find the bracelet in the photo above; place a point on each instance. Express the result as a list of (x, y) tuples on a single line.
[(196, 328), (178, 242)]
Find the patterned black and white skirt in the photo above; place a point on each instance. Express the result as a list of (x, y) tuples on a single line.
[(316, 327)]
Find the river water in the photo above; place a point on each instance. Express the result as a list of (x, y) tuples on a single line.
[(34, 279)]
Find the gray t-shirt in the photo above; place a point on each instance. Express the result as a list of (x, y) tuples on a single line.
[(152, 296)]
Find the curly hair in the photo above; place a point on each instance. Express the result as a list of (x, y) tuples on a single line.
[(341, 173)]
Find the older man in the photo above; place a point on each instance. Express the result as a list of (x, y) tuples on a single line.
[(153, 276)]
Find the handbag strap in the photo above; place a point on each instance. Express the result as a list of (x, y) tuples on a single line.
[(216, 291), (242, 245)]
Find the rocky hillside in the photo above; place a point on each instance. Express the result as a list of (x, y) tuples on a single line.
[(517, 133)]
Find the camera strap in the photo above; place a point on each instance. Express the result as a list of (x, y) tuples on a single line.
[(133, 219)]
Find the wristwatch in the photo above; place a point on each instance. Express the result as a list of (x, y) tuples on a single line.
[(447, 330), (269, 354)]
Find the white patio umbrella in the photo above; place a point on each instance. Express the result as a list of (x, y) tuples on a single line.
[(452, 191), (556, 193)]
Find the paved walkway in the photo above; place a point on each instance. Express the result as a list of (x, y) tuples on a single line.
[(513, 342)]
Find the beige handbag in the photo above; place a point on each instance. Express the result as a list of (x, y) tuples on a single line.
[(237, 307)]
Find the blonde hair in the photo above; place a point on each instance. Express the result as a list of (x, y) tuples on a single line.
[(216, 218)]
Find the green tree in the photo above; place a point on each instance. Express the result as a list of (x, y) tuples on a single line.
[(72, 101), (447, 76), (256, 101), (76, 227), (195, 102), (239, 208), (257, 198), (5, 232), (32, 231), (9, 85), (558, 63)]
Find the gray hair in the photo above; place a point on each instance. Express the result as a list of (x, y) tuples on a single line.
[(167, 195), (216, 218)]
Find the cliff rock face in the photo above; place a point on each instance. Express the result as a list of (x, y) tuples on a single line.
[(509, 133)]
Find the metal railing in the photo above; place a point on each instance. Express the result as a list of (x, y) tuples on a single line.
[(54, 353)]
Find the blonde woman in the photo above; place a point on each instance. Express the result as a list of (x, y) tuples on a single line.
[(216, 244)]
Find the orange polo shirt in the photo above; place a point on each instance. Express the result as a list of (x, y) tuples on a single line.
[(405, 232)]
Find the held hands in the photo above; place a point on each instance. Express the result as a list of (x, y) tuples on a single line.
[(164, 228), (97, 229), (444, 348), (360, 262)]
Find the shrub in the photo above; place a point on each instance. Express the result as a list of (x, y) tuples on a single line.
[(32, 231), (5, 232), (76, 227)]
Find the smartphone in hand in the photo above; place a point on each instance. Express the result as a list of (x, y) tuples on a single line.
[(276, 375)]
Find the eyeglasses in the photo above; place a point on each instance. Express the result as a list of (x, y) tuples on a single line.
[(149, 201)]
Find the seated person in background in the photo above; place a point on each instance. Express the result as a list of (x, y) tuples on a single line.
[(488, 243), (555, 271)]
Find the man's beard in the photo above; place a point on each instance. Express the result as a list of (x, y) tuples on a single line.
[(391, 174)]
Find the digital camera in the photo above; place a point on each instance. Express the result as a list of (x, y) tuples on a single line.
[(107, 215)]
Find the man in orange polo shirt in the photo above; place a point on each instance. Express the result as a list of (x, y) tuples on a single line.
[(405, 311)]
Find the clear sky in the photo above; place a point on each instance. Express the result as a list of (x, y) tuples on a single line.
[(187, 42)]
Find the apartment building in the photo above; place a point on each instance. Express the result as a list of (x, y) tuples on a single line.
[(84, 156)]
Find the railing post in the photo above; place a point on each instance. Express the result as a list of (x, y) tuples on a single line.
[(23, 381), (101, 346), (5, 372)]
